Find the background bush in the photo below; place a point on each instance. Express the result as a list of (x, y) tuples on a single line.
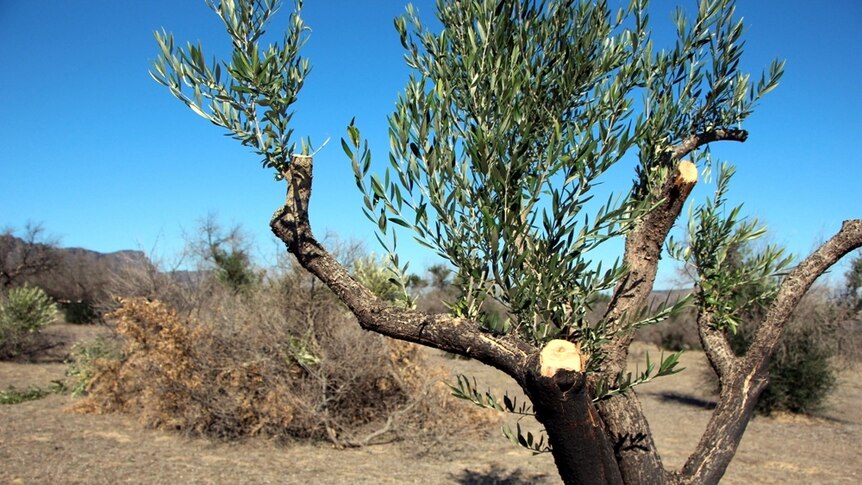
[(283, 360), (23, 312)]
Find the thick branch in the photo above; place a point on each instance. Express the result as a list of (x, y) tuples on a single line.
[(579, 442), (795, 285), (742, 385), (715, 346), (696, 141), (457, 335), (644, 243), (623, 414), (642, 253)]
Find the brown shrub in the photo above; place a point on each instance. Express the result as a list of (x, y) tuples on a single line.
[(285, 362)]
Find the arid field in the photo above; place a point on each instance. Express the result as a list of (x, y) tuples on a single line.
[(41, 442)]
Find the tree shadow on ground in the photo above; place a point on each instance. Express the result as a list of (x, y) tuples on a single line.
[(686, 400), (497, 475)]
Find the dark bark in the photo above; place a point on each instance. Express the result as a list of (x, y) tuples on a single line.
[(579, 442), (557, 386)]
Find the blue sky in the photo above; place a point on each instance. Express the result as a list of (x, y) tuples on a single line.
[(103, 156)]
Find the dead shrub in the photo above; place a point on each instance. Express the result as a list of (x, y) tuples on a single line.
[(285, 361)]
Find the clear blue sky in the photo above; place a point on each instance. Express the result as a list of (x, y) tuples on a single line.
[(92, 147)]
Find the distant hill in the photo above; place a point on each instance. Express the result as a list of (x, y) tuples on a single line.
[(65, 273)]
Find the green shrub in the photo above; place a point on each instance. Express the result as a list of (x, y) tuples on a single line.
[(24, 311), (15, 396), (84, 362), (80, 312), (800, 375)]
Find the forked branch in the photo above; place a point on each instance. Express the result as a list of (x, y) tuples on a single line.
[(744, 379), (442, 331)]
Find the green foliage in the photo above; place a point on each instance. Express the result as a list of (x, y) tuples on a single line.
[(251, 95), (626, 381), (23, 313), (469, 391), (16, 396), (382, 280), (514, 112), (730, 283), (853, 283), (234, 269), (464, 389), (226, 254), (80, 312), (83, 365)]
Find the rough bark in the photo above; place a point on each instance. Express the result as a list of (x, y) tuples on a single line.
[(743, 379), (638, 457), (613, 445), (580, 444), (457, 335)]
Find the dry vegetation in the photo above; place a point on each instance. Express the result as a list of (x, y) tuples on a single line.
[(282, 361)]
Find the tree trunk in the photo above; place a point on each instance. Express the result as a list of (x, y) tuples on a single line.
[(579, 442)]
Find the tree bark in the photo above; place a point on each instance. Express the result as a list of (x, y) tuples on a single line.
[(579, 442), (636, 452), (743, 379), (441, 331)]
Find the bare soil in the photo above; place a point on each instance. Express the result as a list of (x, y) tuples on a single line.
[(41, 442)]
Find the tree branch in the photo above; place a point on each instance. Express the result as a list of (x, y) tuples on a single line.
[(445, 332), (623, 414), (796, 284), (742, 385), (696, 141), (715, 346)]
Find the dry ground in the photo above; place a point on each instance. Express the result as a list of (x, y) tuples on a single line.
[(41, 443)]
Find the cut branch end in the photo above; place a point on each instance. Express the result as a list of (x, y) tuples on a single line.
[(686, 174), (561, 355)]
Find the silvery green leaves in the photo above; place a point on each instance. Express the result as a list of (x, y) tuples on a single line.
[(468, 390), (252, 94), (627, 380), (731, 275), (513, 112), (697, 87)]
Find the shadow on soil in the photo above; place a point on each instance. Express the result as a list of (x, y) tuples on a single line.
[(497, 476), (686, 400)]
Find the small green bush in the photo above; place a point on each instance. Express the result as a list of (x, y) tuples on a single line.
[(84, 362), (15, 396), (23, 313), (80, 312), (800, 375)]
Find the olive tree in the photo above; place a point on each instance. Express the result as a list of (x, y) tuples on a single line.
[(514, 112)]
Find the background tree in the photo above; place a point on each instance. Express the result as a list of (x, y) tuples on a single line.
[(31, 254), (853, 283), (514, 112), (226, 253)]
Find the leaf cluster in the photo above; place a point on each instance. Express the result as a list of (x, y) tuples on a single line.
[(627, 380), (729, 282), (694, 88), (251, 95), (514, 111)]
